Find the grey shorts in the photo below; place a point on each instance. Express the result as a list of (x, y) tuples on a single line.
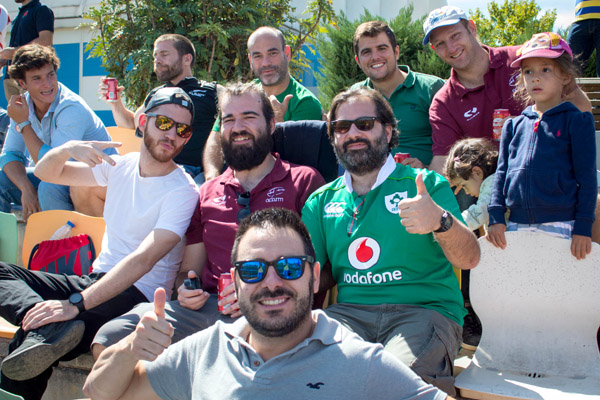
[(185, 321), (423, 339)]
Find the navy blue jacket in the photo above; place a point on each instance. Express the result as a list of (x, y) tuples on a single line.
[(549, 174)]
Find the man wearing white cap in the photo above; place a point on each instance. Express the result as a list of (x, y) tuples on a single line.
[(481, 81)]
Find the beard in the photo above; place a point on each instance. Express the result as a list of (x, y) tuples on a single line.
[(281, 71), (169, 72), (276, 325), (243, 158), (153, 147), (365, 160)]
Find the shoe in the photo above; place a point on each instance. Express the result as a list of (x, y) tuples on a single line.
[(41, 348), (471, 330)]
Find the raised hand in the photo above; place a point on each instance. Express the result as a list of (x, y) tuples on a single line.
[(280, 108), (18, 109), (91, 152), (420, 214), (153, 333)]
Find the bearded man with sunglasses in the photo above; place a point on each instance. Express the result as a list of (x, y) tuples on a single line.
[(279, 349), (390, 235), (255, 179), (149, 204)]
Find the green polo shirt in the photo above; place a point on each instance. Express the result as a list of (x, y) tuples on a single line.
[(410, 102)]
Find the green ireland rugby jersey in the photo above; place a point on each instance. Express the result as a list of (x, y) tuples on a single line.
[(374, 260)]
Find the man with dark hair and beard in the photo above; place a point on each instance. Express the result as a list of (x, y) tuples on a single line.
[(255, 179), (269, 57), (390, 235), (281, 349), (149, 204)]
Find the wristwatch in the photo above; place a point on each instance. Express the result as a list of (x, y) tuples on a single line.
[(22, 125), (445, 223), (76, 299)]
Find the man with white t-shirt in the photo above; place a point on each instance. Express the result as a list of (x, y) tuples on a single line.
[(149, 203)]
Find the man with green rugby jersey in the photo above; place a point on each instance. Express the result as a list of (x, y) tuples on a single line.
[(391, 234)]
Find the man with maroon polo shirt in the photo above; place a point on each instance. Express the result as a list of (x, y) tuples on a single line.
[(255, 179), (481, 81)]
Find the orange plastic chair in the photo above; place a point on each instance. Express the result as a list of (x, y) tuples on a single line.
[(41, 225), (129, 142)]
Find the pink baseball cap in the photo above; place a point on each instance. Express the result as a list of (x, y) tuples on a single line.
[(543, 45)]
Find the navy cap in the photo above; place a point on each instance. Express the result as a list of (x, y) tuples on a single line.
[(169, 95)]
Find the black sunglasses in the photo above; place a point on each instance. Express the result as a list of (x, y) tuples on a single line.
[(288, 268), (165, 123), (363, 124), (243, 199)]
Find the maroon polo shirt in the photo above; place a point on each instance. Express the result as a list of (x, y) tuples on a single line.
[(457, 112), (215, 220)]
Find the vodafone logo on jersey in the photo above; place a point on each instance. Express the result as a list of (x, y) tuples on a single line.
[(363, 253)]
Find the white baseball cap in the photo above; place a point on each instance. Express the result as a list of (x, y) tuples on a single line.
[(442, 16)]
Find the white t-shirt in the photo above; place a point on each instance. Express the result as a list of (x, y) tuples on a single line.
[(135, 206)]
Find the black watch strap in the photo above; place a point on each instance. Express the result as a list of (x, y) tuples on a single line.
[(76, 299), (445, 222)]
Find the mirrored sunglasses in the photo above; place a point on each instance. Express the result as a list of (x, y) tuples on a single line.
[(288, 268), (165, 123), (363, 124)]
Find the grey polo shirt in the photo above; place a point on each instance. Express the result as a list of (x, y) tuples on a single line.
[(333, 363)]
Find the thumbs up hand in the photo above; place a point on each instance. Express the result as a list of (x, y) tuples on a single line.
[(153, 333), (280, 108), (420, 214)]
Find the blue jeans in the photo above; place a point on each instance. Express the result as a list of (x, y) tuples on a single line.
[(583, 38), (50, 196)]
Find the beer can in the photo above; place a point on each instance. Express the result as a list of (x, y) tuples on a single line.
[(399, 157), (500, 116), (225, 280), (111, 95)]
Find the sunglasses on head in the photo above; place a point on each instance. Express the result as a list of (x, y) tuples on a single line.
[(288, 268), (243, 199), (363, 124), (165, 123)]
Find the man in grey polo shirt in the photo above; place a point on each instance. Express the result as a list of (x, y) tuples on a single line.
[(279, 348)]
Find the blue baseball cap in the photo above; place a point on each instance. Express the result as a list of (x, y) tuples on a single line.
[(442, 16)]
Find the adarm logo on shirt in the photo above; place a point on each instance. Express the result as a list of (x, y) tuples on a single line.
[(219, 200), (363, 253), (274, 195), (472, 113)]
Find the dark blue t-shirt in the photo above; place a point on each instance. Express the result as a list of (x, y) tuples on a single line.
[(32, 19)]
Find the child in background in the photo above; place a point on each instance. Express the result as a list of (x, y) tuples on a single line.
[(470, 165), (546, 172)]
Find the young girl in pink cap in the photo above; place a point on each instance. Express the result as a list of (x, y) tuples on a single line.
[(546, 172)]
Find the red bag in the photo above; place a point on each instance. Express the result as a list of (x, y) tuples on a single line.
[(73, 255)]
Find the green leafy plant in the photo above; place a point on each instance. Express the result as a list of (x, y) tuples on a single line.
[(125, 31), (511, 22)]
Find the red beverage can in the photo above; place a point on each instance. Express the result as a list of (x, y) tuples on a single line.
[(111, 95), (399, 157), (500, 116), (225, 280)]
